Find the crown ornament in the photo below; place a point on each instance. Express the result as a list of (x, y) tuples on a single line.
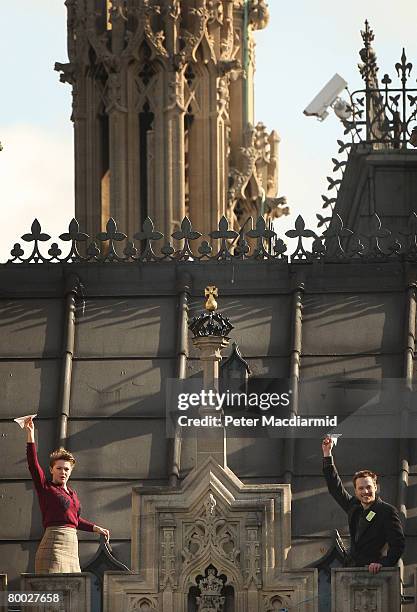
[(210, 322)]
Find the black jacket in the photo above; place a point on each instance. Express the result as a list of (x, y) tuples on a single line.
[(367, 537)]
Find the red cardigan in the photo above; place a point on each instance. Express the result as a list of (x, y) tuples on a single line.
[(59, 508)]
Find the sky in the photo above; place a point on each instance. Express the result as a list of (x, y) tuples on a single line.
[(305, 44)]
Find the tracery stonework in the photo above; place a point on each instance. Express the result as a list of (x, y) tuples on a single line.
[(142, 604), (168, 557), (210, 532), (253, 550), (132, 61)]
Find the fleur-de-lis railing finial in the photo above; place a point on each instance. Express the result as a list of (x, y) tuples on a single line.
[(261, 233), (336, 243), (403, 68), (336, 235), (187, 234), (74, 236), (36, 236), (148, 234), (223, 234), (111, 235), (300, 232), (373, 235)]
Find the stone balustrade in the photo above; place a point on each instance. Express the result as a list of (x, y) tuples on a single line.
[(356, 590), (353, 590), (76, 589)]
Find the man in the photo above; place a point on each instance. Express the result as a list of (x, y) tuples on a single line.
[(372, 522)]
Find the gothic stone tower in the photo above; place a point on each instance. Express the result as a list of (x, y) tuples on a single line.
[(163, 113)]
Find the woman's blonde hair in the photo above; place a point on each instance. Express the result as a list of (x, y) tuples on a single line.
[(61, 454)]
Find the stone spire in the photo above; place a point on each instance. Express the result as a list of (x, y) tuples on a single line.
[(163, 113)]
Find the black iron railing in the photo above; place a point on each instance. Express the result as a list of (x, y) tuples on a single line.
[(258, 243), (382, 116)]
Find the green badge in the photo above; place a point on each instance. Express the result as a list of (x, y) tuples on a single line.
[(370, 515)]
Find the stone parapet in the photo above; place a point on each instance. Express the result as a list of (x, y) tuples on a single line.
[(76, 589), (292, 590), (356, 590)]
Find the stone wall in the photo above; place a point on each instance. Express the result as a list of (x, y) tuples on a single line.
[(126, 343)]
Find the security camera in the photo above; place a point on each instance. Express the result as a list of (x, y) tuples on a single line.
[(327, 97)]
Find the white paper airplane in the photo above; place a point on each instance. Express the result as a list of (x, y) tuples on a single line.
[(334, 437), (21, 420)]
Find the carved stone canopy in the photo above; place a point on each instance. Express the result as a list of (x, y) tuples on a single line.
[(212, 511), (212, 520)]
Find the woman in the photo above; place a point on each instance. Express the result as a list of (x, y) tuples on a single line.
[(60, 507)]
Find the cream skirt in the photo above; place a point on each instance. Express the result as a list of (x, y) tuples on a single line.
[(58, 552)]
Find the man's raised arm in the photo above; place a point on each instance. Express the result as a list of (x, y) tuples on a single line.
[(334, 484)]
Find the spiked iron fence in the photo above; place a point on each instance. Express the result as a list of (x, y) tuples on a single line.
[(259, 243)]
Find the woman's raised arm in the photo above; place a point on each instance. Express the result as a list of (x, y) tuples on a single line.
[(35, 469), (30, 429)]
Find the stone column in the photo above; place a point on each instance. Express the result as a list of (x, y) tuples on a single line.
[(211, 441), (210, 347), (174, 204), (117, 115), (88, 153), (210, 331)]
